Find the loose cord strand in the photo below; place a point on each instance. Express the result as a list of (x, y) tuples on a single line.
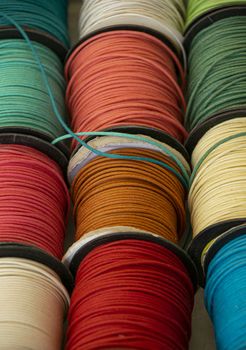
[(225, 294), (127, 199), (147, 285), (33, 306), (34, 200), (217, 191), (49, 17), (217, 70)]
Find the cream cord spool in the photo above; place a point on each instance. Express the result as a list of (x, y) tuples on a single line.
[(33, 304), (218, 183), (165, 16)]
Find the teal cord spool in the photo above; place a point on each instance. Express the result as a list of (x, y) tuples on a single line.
[(25, 101), (48, 16), (225, 294), (217, 70)]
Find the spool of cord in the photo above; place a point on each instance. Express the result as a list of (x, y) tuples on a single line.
[(164, 16), (131, 294), (25, 101), (125, 192), (218, 182), (49, 17), (34, 200), (225, 294), (197, 8), (124, 78), (217, 70), (33, 306)]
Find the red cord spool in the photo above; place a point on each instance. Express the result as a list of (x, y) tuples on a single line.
[(131, 294), (34, 200), (125, 78)]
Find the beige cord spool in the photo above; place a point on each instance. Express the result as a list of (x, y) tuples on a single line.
[(218, 191), (33, 304), (164, 16)]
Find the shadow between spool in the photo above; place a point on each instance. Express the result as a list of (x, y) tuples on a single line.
[(199, 242), (115, 237), (135, 28), (221, 241), (200, 130), (8, 138), (16, 250), (208, 18), (156, 134), (9, 32)]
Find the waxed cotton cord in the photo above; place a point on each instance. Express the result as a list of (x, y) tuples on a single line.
[(131, 294), (33, 305), (225, 294), (47, 16), (197, 8), (217, 189), (217, 70)]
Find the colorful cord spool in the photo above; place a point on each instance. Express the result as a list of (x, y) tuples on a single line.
[(225, 294), (25, 102), (34, 200), (166, 17), (124, 78), (33, 306), (217, 78), (49, 17), (218, 178), (131, 294)]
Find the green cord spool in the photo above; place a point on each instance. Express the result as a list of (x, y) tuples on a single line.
[(25, 101), (217, 70), (198, 8)]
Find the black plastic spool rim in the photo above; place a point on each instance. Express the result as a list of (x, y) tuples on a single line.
[(199, 242), (82, 252), (208, 18), (9, 32), (10, 138), (136, 28), (200, 130), (221, 241), (16, 250)]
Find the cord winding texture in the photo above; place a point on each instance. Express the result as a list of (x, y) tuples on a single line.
[(225, 294), (217, 70), (25, 101), (131, 294), (33, 306), (125, 78), (218, 186), (197, 8), (34, 200), (113, 192), (47, 16)]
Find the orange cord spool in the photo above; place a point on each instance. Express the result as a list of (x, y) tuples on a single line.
[(123, 78), (110, 192)]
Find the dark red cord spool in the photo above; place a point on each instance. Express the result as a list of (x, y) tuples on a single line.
[(131, 294), (34, 200)]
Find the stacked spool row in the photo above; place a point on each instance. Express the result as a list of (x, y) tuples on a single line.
[(216, 118), (34, 198), (129, 176)]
